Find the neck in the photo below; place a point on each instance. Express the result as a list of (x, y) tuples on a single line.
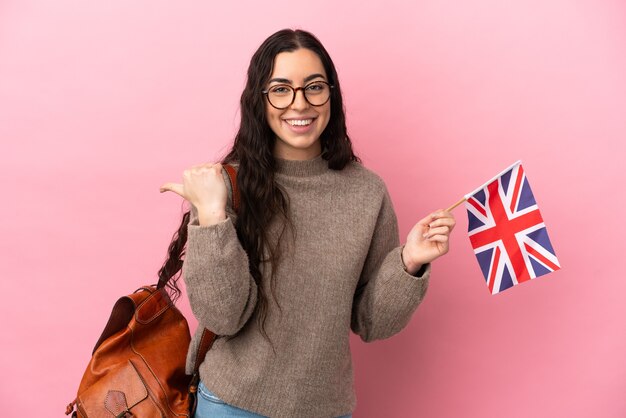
[(285, 152)]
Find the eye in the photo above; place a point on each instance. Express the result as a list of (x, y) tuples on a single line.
[(316, 88), (280, 90)]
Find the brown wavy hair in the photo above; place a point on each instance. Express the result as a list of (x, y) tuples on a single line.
[(261, 197)]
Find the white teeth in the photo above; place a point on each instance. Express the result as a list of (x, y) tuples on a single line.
[(299, 122)]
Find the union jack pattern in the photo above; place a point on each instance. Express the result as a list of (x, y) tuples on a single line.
[(507, 232)]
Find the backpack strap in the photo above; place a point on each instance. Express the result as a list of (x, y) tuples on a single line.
[(232, 176)]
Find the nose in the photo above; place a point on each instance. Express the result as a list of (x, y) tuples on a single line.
[(299, 101)]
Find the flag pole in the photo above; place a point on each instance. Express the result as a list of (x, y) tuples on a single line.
[(456, 204)]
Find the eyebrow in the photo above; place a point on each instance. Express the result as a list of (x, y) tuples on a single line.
[(306, 80)]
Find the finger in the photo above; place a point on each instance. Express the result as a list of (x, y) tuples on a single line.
[(202, 165), (449, 222), (206, 166), (440, 213), (440, 230), (439, 238), (173, 187), (443, 218), (425, 221)]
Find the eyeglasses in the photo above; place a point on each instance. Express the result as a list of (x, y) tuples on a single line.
[(281, 96)]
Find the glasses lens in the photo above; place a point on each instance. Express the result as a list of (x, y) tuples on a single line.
[(317, 93), (280, 96)]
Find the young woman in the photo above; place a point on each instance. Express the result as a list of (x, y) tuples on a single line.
[(312, 253)]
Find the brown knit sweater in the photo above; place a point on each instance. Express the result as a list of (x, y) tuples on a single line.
[(341, 269)]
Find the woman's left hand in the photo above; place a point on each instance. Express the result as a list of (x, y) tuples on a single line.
[(428, 240)]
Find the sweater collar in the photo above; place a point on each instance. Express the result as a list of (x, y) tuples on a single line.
[(301, 168)]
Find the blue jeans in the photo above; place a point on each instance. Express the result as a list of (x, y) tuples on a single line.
[(210, 406)]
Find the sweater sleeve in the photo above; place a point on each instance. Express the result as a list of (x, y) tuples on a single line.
[(386, 295), (222, 292)]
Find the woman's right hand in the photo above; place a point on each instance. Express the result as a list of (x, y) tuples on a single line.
[(203, 186)]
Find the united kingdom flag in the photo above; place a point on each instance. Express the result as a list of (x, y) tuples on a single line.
[(507, 231)]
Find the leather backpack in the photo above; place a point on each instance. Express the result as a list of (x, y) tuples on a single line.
[(137, 368)]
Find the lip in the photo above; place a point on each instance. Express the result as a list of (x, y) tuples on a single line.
[(300, 129), (300, 118)]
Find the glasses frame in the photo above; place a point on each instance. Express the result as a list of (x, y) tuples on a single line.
[(295, 92)]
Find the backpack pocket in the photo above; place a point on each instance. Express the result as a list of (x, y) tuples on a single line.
[(122, 389)]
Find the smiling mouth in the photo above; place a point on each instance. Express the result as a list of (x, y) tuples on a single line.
[(299, 122)]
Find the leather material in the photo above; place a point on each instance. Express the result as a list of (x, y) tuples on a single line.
[(138, 370), (232, 176), (206, 342)]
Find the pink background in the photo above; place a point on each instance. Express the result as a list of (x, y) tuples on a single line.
[(101, 103)]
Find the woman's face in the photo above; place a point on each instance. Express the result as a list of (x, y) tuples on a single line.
[(299, 126)]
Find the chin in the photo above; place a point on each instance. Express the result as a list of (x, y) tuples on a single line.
[(305, 145)]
